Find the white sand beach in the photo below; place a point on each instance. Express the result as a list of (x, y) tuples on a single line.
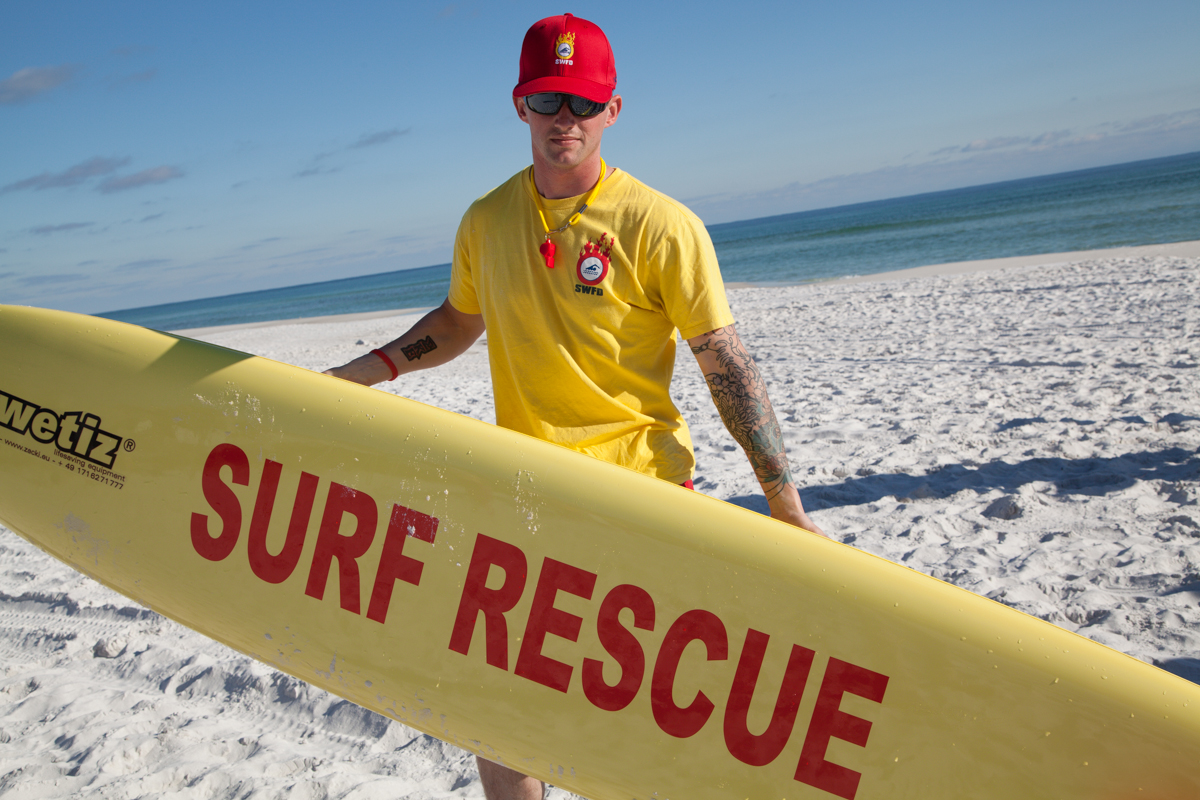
[(1028, 429)]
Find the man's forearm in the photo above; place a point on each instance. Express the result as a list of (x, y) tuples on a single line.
[(440, 336), (740, 394)]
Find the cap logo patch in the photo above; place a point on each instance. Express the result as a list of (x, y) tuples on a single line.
[(592, 266), (564, 48)]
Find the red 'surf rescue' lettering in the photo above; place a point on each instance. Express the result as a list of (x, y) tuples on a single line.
[(347, 550), (622, 645), (341, 502), (696, 625), (829, 721), (544, 618), (765, 747), (278, 567), (496, 579), (223, 501), (492, 603)]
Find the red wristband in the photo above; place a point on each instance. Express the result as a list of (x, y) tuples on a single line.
[(390, 364)]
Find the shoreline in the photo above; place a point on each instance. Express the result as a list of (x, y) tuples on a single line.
[(1188, 249), (354, 316)]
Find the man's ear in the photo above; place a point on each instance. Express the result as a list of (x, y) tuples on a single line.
[(613, 110), (519, 104)]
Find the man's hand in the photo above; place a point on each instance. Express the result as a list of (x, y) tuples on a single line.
[(786, 507), (367, 370), (741, 398)]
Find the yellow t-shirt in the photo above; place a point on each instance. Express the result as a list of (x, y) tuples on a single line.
[(582, 354)]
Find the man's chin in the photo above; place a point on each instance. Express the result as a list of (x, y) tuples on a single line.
[(569, 154)]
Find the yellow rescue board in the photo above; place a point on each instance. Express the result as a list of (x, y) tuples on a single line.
[(606, 632)]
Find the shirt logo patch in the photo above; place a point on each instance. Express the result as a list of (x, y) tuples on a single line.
[(592, 266)]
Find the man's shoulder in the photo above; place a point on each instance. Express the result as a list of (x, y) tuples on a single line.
[(658, 208), (500, 198)]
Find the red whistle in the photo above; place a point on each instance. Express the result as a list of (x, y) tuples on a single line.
[(547, 250)]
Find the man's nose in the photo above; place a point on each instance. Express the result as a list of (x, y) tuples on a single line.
[(565, 117)]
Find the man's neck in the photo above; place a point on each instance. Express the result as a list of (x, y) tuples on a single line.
[(556, 183)]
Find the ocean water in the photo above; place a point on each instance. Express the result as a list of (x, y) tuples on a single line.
[(406, 288), (1144, 202)]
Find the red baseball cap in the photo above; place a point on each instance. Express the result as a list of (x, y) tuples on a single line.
[(567, 54)]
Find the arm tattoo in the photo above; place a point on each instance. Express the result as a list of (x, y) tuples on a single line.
[(740, 394), (419, 348)]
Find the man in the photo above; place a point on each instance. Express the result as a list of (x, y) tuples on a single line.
[(582, 275)]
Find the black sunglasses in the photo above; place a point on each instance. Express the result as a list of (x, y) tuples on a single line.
[(551, 102)]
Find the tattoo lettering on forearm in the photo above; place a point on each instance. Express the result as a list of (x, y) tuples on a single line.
[(419, 348), (740, 394)]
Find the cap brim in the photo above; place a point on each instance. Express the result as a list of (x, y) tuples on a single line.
[(596, 92)]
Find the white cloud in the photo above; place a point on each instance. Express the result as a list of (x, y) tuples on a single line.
[(311, 171), (57, 280), (72, 176), (1048, 139), (137, 180), (368, 139), (44, 230), (1153, 124), (26, 84), (94, 168), (1165, 122), (980, 145), (975, 163), (145, 263)]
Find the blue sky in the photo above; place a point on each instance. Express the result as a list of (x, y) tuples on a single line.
[(155, 152)]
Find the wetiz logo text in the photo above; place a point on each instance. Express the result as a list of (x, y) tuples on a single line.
[(75, 432)]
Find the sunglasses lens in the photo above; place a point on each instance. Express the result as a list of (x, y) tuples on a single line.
[(551, 102), (545, 102), (582, 107)]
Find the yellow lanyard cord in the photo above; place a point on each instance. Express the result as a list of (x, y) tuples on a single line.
[(574, 218), (537, 198)]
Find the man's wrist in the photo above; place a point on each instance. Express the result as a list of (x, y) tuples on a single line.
[(785, 497), (368, 370), (386, 359)]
